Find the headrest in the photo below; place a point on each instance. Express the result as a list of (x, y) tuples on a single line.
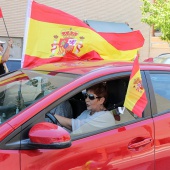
[(116, 93)]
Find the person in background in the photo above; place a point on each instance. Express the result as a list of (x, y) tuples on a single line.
[(4, 55), (95, 117)]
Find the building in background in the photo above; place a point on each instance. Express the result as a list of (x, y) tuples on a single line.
[(118, 12)]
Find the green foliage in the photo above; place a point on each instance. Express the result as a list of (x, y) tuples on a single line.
[(158, 15)]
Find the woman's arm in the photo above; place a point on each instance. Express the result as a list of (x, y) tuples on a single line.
[(5, 56), (66, 122)]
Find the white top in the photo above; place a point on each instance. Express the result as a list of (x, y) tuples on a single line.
[(87, 123)]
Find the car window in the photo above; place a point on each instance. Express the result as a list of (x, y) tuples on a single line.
[(84, 124), (161, 87), (22, 88), (162, 58)]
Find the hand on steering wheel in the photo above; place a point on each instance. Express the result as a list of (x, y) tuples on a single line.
[(53, 119)]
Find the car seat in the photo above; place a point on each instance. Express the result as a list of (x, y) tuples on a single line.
[(116, 94), (78, 104)]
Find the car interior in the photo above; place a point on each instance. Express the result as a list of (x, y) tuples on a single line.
[(116, 95)]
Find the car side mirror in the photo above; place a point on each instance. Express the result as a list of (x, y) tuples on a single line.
[(46, 135)]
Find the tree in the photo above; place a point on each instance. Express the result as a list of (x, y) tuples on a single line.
[(157, 14)]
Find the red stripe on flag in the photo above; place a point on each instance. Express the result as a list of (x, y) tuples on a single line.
[(140, 105), (53, 15), (125, 41), (135, 67), (33, 61), (1, 16)]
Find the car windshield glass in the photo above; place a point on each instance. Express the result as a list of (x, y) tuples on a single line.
[(22, 88)]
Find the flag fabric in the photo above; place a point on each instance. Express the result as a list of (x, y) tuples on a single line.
[(125, 41), (135, 99), (15, 78), (52, 35), (1, 16)]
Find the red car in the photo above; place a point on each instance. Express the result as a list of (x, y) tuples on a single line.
[(28, 140)]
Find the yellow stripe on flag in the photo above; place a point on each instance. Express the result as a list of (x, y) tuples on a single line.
[(133, 93), (40, 41)]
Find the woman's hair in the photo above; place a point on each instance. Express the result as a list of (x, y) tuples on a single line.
[(99, 89)]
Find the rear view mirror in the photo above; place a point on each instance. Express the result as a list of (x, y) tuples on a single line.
[(46, 135)]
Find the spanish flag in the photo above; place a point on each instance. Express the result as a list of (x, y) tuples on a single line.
[(135, 99), (15, 78), (1, 16), (52, 35)]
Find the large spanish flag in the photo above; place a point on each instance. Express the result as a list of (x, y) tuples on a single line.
[(135, 99), (52, 35)]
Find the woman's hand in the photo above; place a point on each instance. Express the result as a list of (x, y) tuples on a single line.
[(5, 56), (10, 42), (66, 122)]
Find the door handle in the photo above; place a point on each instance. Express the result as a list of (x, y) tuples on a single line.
[(141, 143)]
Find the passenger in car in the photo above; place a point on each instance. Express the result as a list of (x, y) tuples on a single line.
[(95, 117)]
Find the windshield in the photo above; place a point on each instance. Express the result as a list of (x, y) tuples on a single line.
[(22, 88)]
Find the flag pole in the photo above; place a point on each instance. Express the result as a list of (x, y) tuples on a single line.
[(27, 20), (1, 16), (5, 27)]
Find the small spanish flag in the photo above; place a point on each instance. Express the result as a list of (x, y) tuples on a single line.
[(15, 78), (1, 16), (135, 99)]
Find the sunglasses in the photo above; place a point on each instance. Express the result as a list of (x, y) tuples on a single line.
[(90, 96), (1, 45)]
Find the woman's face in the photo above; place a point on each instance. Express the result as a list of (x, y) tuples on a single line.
[(94, 105)]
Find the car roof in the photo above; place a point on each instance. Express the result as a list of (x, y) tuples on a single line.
[(83, 67)]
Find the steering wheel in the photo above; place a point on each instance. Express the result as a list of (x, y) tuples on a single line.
[(53, 119)]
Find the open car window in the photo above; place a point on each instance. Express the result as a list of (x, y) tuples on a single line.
[(22, 88), (76, 108)]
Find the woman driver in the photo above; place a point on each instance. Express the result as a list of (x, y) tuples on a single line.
[(95, 117)]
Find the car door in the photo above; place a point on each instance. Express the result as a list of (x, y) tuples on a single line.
[(9, 157), (160, 93), (127, 145)]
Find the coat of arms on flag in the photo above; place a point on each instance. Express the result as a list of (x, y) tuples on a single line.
[(68, 42)]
